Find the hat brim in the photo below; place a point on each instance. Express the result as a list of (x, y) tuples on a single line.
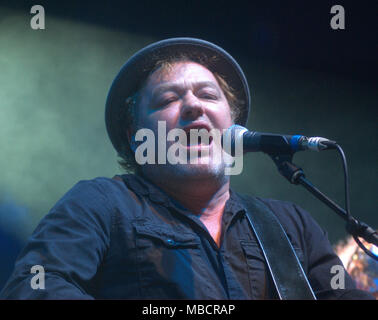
[(136, 69)]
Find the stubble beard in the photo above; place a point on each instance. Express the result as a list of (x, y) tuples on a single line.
[(213, 171)]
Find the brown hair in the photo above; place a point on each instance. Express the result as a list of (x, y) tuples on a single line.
[(128, 113)]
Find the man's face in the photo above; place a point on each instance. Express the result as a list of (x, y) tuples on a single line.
[(186, 96)]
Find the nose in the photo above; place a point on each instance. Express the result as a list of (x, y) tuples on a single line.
[(192, 107)]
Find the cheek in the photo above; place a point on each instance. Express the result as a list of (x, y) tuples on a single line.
[(148, 117), (228, 119), (221, 117), (169, 115)]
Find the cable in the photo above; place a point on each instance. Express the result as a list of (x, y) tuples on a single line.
[(346, 180), (354, 224), (366, 250)]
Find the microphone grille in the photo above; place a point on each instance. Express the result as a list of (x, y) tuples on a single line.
[(230, 136)]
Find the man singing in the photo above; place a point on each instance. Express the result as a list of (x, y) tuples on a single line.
[(171, 230)]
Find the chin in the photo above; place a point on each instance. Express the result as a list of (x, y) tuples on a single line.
[(198, 171)]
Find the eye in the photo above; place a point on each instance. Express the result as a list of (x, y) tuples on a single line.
[(208, 95), (166, 101), (169, 100)]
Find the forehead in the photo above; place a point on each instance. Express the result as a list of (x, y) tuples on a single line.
[(180, 72)]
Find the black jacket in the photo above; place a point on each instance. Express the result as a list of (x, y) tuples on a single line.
[(111, 239)]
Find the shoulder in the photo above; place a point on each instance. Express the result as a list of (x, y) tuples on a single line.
[(289, 214), (97, 199), (97, 191), (299, 225), (100, 185)]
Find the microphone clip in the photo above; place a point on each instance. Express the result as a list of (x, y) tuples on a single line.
[(287, 168)]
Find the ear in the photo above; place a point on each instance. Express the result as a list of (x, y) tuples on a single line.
[(131, 139)]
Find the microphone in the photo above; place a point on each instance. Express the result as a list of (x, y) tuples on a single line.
[(271, 143)]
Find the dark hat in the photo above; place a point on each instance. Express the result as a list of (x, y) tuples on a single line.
[(135, 71)]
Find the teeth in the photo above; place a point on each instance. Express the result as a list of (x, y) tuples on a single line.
[(199, 141)]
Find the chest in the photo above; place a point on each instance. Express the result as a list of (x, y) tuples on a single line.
[(215, 230), (157, 260)]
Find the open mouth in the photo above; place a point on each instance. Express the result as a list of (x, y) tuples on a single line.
[(196, 138), (198, 135)]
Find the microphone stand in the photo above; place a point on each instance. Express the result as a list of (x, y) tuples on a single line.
[(296, 176)]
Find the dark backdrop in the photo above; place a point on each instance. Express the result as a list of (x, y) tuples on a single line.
[(304, 77)]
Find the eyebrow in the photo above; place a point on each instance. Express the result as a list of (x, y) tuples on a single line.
[(178, 87)]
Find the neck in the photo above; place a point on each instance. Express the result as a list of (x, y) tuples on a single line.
[(205, 197)]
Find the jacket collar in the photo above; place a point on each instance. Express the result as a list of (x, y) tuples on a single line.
[(142, 186)]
